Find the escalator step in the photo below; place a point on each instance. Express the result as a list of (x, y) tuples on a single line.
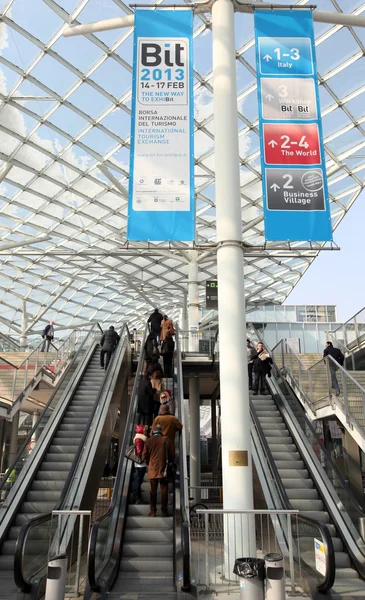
[(50, 475), (62, 448), (293, 473), (46, 485), (57, 458), (47, 495), (148, 550), (144, 583), (289, 464), (280, 456), (141, 510), (321, 516), (148, 564), (302, 494), (148, 536), (22, 518), (150, 522), (342, 560), (306, 505), (37, 507), (296, 483), (347, 573), (50, 467), (63, 437), (33, 547), (38, 533)]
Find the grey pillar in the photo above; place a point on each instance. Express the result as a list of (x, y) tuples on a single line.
[(214, 434), (194, 401), (14, 438)]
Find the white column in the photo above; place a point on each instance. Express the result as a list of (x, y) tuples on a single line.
[(185, 323), (236, 443), (193, 302), (23, 335), (194, 401), (35, 419)]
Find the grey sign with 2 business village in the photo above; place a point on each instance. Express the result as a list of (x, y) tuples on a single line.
[(288, 99), (295, 189)]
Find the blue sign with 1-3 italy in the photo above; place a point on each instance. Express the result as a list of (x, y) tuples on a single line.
[(285, 56)]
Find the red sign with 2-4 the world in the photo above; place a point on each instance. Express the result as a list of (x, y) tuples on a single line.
[(291, 144)]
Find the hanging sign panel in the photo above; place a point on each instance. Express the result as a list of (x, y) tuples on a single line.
[(161, 183), (295, 194)]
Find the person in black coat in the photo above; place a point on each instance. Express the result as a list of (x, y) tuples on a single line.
[(261, 367), (108, 343), (48, 336), (154, 322), (151, 348), (337, 355), (145, 400), (167, 351)]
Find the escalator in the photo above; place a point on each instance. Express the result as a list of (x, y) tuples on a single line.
[(71, 434), (130, 552)]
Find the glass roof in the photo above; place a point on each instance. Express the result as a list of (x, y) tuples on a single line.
[(65, 108)]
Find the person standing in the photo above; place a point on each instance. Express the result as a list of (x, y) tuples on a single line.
[(48, 336), (261, 367), (145, 399), (157, 454), (140, 468), (170, 426), (167, 328), (154, 322), (339, 358), (108, 343), (167, 351), (250, 354)]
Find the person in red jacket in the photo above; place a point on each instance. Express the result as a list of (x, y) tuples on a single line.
[(140, 469)]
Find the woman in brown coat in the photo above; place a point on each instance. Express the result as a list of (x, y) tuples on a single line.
[(155, 453), (167, 328)]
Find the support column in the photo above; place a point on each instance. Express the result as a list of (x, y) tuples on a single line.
[(239, 534), (23, 335), (13, 451), (185, 324), (352, 462), (194, 401), (193, 302), (213, 412)]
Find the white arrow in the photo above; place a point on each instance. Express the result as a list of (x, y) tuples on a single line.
[(272, 143), (267, 57), (274, 187), (269, 97)]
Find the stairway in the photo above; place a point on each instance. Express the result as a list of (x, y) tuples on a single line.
[(45, 490), (147, 564), (299, 486), (22, 378)]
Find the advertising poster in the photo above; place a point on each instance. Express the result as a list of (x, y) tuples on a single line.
[(161, 184)]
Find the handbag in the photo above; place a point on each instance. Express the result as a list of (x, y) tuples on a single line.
[(170, 469), (132, 455)]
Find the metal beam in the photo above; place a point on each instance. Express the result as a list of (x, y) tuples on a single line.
[(40, 315), (104, 25), (113, 180), (25, 242)]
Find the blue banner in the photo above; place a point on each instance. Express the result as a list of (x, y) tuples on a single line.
[(295, 193), (161, 183)]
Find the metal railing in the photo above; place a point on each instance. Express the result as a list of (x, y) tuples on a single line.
[(8, 344), (106, 538), (23, 574), (351, 334), (23, 376), (315, 385), (196, 340), (224, 533), (20, 461)]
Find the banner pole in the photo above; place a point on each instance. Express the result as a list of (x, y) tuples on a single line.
[(236, 442)]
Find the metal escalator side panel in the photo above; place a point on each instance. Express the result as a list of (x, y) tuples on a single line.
[(342, 521), (104, 552), (182, 554), (89, 433), (34, 460)]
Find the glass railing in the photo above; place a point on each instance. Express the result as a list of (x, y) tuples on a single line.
[(14, 470), (61, 534), (16, 378), (7, 344), (105, 543), (351, 334)]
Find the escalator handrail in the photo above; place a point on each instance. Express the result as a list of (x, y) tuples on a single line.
[(20, 580), (183, 475), (119, 485), (351, 497), (47, 406), (329, 579)]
